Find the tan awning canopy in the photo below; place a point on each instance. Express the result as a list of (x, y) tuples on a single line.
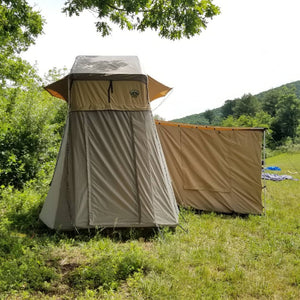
[(157, 89), (59, 89), (107, 68)]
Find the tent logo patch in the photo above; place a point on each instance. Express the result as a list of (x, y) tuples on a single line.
[(134, 93)]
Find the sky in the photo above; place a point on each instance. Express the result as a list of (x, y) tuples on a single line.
[(252, 46)]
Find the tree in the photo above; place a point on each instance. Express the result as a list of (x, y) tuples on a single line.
[(270, 101), (287, 117), (19, 27), (261, 119), (174, 19), (228, 107), (209, 115), (247, 105)]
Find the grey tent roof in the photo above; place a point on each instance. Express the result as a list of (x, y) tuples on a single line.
[(124, 68), (107, 65)]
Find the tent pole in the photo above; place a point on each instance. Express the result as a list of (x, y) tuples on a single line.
[(264, 159)]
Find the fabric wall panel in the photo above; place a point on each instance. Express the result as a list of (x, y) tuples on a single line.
[(109, 95), (214, 170), (111, 166), (56, 213)]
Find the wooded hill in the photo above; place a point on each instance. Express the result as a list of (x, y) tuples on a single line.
[(277, 109)]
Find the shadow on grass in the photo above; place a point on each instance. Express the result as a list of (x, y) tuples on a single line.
[(220, 215), (28, 223)]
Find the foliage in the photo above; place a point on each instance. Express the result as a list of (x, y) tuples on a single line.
[(276, 109), (209, 115), (23, 266), (19, 27), (247, 105), (218, 256), (193, 119), (294, 86), (261, 119), (31, 124), (270, 101), (228, 108), (109, 270), (173, 19), (287, 117)]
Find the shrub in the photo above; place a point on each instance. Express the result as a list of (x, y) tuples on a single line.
[(30, 133)]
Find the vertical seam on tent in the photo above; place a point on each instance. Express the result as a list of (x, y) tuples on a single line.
[(181, 162), (227, 157), (68, 155), (68, 184), (148, 142), (87, 168), (135, 170), (156, 139), (164, 166), (145, 114)]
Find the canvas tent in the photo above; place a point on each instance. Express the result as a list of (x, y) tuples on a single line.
[(214, 168), (111, 171)]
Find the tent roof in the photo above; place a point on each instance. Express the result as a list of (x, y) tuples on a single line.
[(107, 65), (107, 68)]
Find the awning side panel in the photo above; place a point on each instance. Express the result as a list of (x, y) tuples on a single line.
[(235, 183)]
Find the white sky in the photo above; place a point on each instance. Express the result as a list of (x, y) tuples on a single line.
[(252, 46)]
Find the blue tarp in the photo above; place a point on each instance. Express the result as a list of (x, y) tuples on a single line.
[(273, 168)]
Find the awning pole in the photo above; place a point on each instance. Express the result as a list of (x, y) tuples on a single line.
[(264, 160)]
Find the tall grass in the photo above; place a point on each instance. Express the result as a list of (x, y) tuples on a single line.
[(217, 256)]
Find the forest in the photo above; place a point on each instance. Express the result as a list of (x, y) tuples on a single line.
[(277, 109)]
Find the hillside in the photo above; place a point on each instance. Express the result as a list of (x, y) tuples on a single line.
[(215, 116)]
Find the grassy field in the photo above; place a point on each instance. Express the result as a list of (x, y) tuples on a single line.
[(216, 256)]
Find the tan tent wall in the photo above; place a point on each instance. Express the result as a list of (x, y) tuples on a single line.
[(110, 171), (109, 95), (214, 168)]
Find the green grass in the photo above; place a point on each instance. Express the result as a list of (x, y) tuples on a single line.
[(219, 257)]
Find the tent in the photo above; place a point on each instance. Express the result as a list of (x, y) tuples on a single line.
[(110, 171), (214, 168)]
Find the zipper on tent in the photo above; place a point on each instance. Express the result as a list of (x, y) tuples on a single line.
[(110, 90)]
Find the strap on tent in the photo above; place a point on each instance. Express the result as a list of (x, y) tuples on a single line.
[(110, 90)]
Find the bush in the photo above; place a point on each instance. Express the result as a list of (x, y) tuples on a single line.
[(30, 133)]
